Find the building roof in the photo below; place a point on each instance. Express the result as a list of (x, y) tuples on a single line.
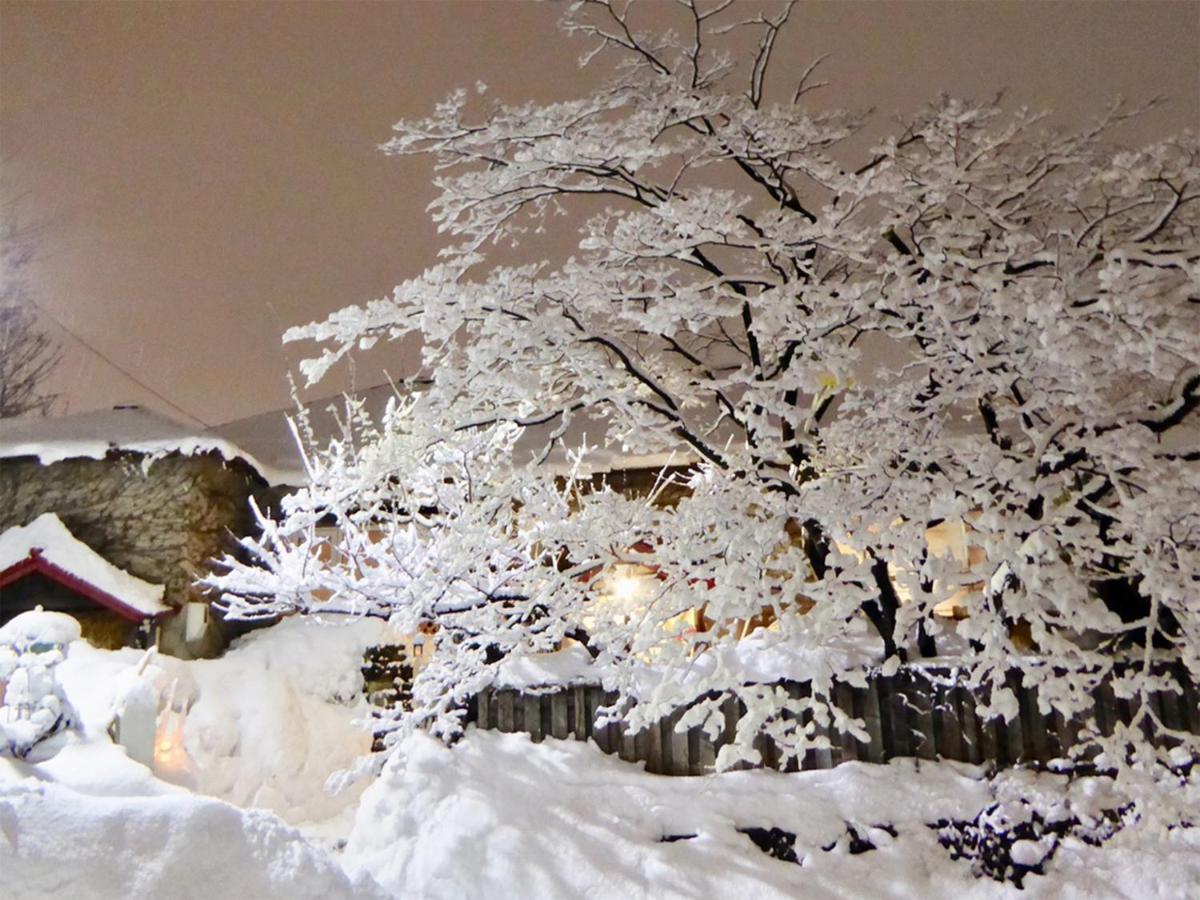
[(45, 546), (131, 429), (268, 435)]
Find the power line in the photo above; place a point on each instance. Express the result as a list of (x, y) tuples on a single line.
[(89, 346)]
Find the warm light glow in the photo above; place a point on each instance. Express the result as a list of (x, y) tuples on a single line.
[(626, 587), (621, 592), (170, 754)]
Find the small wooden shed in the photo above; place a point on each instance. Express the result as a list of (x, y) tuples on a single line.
[(152, 499), (43, 565)]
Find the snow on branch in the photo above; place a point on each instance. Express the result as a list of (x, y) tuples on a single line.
[(988, 323)]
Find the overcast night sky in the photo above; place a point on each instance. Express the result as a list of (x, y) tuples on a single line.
[(199, 176)]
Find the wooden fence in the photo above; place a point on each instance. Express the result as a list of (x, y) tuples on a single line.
[(917, 712)]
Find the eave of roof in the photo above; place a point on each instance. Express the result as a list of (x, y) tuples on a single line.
[(36, 563)]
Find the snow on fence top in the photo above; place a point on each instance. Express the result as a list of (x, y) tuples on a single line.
[(93, 435), (763, 656), (46, 545)]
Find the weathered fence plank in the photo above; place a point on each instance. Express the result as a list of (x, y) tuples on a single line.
[(1190, 703), (873, 751), (532, 707), (625, 741), (843, 698), (680, 764), (559, 723), (582, 723), (920, 694), (641, 746), (667, 756), (592, 702), (1172, 714), (915, 712), (504, 710), (654, 754), (972, 727), (897, 714), (1031, 742), (483, 705), (946, 723), (1015, 752)]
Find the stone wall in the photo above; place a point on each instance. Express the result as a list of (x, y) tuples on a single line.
[(161, 521)]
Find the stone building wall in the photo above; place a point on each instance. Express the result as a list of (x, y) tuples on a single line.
[(161, 520)]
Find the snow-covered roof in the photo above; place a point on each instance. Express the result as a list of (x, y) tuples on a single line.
[(46, 545), (93, 435), (268, 435)]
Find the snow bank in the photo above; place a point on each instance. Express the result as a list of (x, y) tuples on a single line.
[(271, 722), (277, 715), (57, 546), (96, 682), (263, 726), (498, 816), (56, 842)]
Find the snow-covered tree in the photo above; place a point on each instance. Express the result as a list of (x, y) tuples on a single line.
[(26, 354), (982, 321)]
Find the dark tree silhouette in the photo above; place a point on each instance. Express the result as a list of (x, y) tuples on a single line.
[(26, 354)]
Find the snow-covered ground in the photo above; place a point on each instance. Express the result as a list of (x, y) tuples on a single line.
[(58, 841), (264, 728), (495, 816)]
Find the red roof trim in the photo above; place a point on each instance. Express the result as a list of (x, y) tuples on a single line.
[(35, 562)]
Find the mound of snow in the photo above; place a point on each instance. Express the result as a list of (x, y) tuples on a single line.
[(265, 725), (56, 842), (97, 682), (277, 715), (270, 722), (499, 816), (37, 626)]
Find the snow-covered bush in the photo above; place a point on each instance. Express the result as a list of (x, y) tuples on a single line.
[(981, 320), (32, 705), (1010, 841)]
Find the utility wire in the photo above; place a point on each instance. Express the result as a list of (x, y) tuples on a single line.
[(87, 344)]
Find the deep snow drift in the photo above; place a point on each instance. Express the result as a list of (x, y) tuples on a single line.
[(263, 726), (266, 725), (496, 816), (273, 718), (56, 841)]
